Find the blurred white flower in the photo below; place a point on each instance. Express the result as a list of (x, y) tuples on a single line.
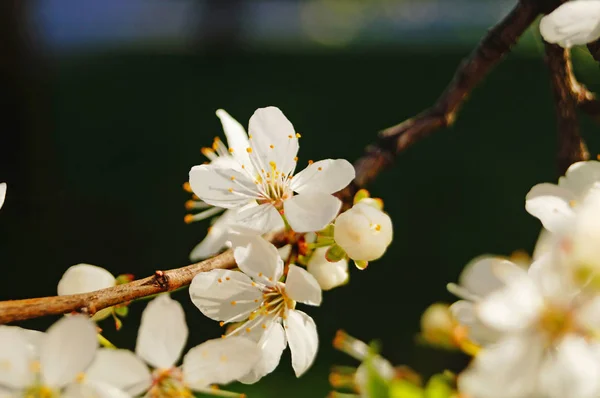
[(161, 338), (328, 274), (573, 23), (481, 276), (257, 298), (580, 242), (55, 367), (230, 156), (554, 204), (363, 231), (267, 177), (544, 347), (85, 278), (2, 193)]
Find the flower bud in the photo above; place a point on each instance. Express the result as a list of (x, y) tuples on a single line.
[(85, 278), (328, 274), (438, 324), (364, 232)]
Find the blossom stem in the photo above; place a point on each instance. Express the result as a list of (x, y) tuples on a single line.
[(104, 342)]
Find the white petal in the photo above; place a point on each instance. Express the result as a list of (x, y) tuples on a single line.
[(2, 193), (465, 313), (271, 347), (15, 359), (68, 349), (163, 332), (260, 260), (513, 307), (213, 184), (550, 204), (258, 220), (486, 274), (230, 300), (301, 286), (544, 244), (216, 238), (508, 369), (301, 333), (581, 177), (219, 361), (33, 338), (328, 176), (273, 139), (573, 23), (122, 369), (572, 370), (284, 252), (93, 389), (237, 139), (84, 278), (328, 274), (312, 211)]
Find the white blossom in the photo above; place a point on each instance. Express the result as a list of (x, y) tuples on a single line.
[(555, 204), (161, 338), (263, 304), (52, 365), (580, 242), (267, 177), (229, 156), (364, 232), (544, 348), (481, 276), (573, 23), (85, 278), (328, 274)]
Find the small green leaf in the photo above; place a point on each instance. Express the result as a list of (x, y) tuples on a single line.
[(122, 311)]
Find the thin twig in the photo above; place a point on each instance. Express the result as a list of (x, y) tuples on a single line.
[(571, 147), (469, 74), (90, 303)]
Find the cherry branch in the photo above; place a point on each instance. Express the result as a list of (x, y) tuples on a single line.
[(379, 156), (571, 147)]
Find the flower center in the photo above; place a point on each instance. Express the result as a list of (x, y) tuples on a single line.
[(556, 322), (168, 383), (273, 186), (39, 391)]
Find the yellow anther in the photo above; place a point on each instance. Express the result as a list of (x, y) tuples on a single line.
[(230, 189), (243, 167), (187, 187), (264, 326), (219, 280), (572, 203), (298, 135), (230, 150), (250, 136), (227, 278), (295, 158), (249, 150), (377, 227), (221, 323), (188, 219), (232, 178), (319, 168), (290, 136), (310, 162), (248, 330), (256, 300), (189, 205), (233, 303), (260, 274), (271, 146), (80, 378)]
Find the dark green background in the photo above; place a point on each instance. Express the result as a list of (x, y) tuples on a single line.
[(99, 147)]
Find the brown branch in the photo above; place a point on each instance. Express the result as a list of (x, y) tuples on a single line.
[(90, 303), (493, 47), (469, 74), (571, 147)]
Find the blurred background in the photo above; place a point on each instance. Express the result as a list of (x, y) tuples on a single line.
[(106, 105)]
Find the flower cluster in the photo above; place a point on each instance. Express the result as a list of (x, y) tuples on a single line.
[(537, 325), (249, 188)]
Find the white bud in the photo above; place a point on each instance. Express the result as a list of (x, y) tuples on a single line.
[(364, 232), (437, 324), (85, 278), (329, 275)]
